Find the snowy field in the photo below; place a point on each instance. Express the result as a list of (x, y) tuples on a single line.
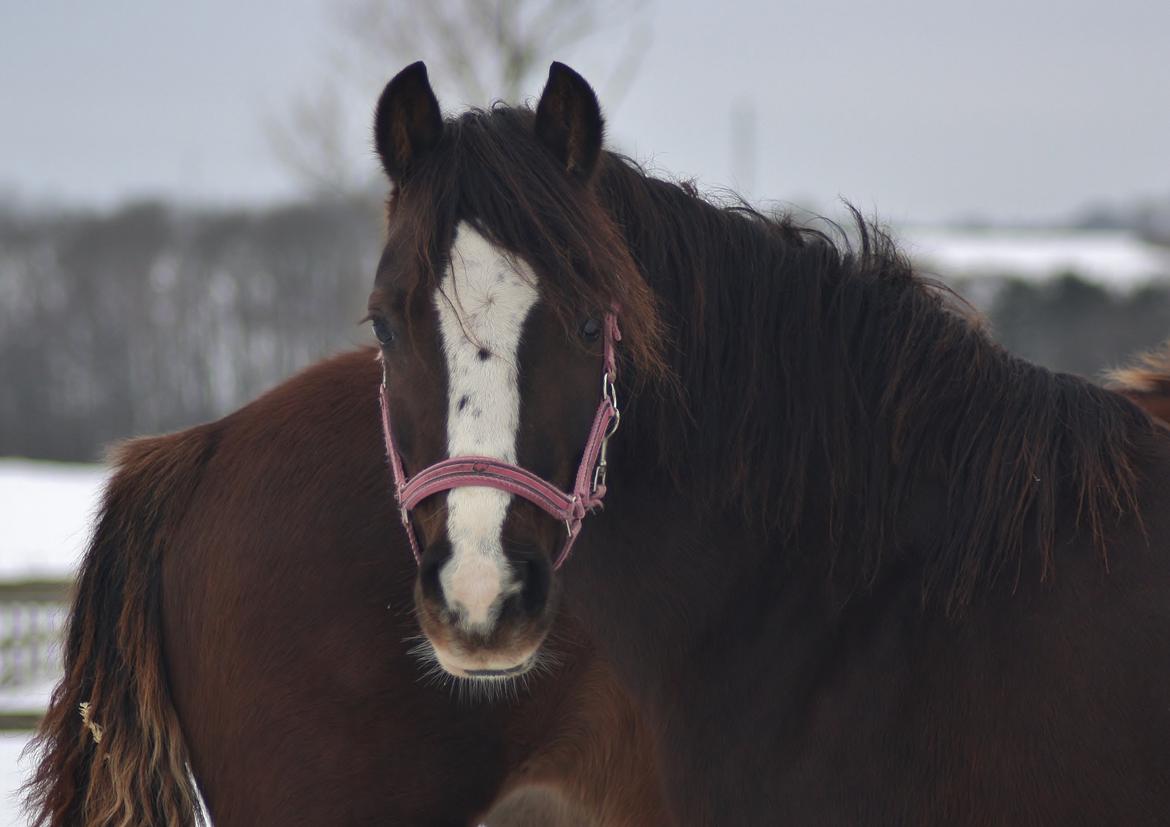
[(12, 774), (1114, 259), (45, 510)]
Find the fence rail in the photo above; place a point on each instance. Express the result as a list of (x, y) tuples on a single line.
[(32, 621)]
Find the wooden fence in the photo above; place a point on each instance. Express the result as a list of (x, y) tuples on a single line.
[(32, 620)]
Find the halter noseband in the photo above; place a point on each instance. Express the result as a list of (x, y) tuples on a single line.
[(570, 507)]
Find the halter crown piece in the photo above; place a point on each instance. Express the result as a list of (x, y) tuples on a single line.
[(570, 507)]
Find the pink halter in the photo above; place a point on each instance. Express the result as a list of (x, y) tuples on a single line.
[(569, 507)]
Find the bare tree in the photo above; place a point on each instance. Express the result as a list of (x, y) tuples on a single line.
[(476, 50), (485, 48)]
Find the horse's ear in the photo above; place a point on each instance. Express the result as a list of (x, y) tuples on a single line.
[(407, 122), (568, 121)]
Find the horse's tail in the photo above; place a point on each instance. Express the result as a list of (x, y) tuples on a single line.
[(110, 750), (1149, 373), (1147, 382)]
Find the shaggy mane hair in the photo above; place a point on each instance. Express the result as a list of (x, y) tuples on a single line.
[(819, 386)]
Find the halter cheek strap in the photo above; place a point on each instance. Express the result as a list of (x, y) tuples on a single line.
[(569, 507)]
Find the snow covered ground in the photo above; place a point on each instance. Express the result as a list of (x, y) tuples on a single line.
[(45, 513), (1115, 259), (45, 509), (13, 772)]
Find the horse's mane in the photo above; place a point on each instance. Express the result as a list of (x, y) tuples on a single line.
[(827, 375), (825, 386)]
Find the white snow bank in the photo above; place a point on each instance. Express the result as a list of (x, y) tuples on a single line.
[(46, 514), (1114, 259), (13, 772)]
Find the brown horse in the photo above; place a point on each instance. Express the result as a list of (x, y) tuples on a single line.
[(856, 564), (244, 610)]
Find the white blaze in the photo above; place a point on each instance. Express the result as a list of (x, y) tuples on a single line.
[(483, 302)]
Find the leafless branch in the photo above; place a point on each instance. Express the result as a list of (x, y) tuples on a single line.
[(474, 48)]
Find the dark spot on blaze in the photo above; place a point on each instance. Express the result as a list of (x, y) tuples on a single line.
[(462, 402), (477, 413), (484, 354)]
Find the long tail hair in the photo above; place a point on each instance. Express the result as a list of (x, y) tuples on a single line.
[(110, 751), (1149, 372)]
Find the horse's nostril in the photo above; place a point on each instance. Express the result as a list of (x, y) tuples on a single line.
[(535, 574), (429, 569)]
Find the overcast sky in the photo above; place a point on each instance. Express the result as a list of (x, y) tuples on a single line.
[(913, 110)]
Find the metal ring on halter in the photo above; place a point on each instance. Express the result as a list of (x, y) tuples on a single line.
[(613, 424), (599, 471), (609, 394), (609, 390)]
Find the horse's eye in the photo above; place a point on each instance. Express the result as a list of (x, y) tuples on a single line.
[(382, 331), (591, 330)]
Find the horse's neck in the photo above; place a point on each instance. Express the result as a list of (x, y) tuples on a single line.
[(692, 614), (739, 395), (653, 577)]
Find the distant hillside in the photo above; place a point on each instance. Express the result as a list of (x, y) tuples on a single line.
[(1148, 219)]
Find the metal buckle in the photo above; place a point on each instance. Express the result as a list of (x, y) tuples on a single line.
[(609, 394), (612, 428), (609, 390), (599, 471)]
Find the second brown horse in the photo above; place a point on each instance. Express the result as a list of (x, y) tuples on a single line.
[(244, 610)]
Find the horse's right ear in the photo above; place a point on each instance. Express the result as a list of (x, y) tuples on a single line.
[(569, 122), (407, 122)]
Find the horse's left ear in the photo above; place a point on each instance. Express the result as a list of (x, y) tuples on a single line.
[(568, 121)]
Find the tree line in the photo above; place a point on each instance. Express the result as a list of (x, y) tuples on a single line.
[(155, 317)]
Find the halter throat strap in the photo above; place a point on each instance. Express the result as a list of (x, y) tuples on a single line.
[(568, 507)]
